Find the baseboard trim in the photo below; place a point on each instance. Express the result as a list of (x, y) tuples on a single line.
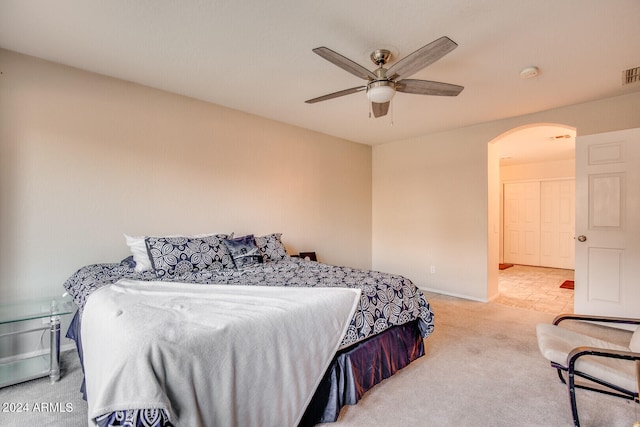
[(453, 294)]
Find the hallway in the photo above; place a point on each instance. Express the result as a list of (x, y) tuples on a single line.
[(535, 288)]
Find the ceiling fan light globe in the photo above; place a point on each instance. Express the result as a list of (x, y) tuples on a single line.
[(381, 91)]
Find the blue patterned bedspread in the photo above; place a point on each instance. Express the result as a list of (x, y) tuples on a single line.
[(386, 300)]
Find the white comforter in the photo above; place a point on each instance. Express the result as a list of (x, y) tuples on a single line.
[(211, 355)]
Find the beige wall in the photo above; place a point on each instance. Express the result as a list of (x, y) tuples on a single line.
[(494, 217), (85, 158), (539, 170), (430, 197)]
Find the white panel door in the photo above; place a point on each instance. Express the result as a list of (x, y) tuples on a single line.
[(557, 223), (607, 269), (522, 223)]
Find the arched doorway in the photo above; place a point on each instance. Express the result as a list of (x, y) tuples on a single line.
[(533, 156)]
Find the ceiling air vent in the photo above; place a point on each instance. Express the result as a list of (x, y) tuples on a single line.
[(632, 75)]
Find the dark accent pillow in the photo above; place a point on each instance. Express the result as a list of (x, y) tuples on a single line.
[(128, 262), (271, 247), (244, 251), (172, 256)]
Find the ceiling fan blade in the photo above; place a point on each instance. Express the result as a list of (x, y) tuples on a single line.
[(380, 110), (426, 87), (345, 63), (336, 94), (422, 57)]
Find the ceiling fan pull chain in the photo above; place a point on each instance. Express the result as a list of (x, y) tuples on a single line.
[(392, 112)]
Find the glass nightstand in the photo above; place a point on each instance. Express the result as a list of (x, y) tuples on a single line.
[(38, 366)]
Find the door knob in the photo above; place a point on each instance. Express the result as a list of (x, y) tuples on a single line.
[(582, 238)]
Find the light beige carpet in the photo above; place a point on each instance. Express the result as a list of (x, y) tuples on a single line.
[(482, 368)]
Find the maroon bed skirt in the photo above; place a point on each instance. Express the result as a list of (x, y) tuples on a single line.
[(356, 369)]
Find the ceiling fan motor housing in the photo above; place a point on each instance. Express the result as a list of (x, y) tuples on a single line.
[(380, 56)]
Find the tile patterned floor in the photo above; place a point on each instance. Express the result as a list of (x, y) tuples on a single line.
[(535, 288)]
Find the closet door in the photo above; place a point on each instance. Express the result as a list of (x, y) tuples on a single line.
[(557, 223), (522, 223)]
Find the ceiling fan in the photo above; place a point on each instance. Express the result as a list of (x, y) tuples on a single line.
[(383, 83)]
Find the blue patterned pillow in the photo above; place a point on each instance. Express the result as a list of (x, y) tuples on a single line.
[(172, 256), (244, 251), (128, 262), (271, 247)]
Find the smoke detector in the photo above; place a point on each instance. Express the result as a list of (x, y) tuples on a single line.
[(529, 72)]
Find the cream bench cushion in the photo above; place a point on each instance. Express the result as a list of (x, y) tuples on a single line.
[(556, 343)]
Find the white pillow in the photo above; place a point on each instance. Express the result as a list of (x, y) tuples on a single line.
[(138, 249)]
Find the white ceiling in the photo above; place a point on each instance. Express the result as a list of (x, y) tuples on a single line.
[(255, 56)]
